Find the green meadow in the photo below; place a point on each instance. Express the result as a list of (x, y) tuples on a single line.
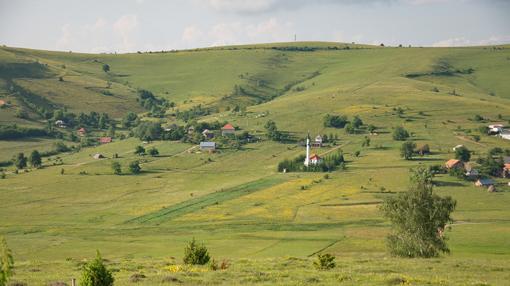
[(269, 226)]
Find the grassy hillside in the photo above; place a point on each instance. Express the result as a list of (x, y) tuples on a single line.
[(270, 225)]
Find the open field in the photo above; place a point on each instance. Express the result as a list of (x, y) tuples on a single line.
[(268, 224)]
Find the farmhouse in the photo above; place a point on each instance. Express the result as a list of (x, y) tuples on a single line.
[(315, 159), (471, 172), (207, 134), (60, 124), (484, 182), (505, 134), (495, 129), (208, 146), (82, 131), (318, 141), (506, 170), (454, 164), (2, 102), (228, 129), (105, 140)]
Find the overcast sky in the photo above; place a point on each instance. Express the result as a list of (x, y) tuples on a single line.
[(141, 25)]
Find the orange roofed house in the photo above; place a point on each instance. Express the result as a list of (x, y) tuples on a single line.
[(228, 129), (454, 164)]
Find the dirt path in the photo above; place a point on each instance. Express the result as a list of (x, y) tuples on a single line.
[(336, 148), (463, 138)]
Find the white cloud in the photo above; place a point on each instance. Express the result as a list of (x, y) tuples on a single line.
[(462, 41), (101, 36), (191, 34), (242, 6), (125, 26)]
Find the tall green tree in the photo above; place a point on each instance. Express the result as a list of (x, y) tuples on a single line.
[(35, 159), (407, 150), (6, 262), (106, 67), (116, 168), (20, 161), (134, 167), (400, 134), (95, 273), (418, 218), (463, 154)]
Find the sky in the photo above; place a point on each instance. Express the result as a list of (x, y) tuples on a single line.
[(152, 25)]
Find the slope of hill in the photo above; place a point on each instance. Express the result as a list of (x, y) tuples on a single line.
[(235, 200)]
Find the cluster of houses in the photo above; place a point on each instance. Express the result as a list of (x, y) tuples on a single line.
[(473, 173), (498, 130), (210, 146)]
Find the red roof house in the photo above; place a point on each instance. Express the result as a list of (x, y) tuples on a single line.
[(105, 140), (228, 129), (315, 159)]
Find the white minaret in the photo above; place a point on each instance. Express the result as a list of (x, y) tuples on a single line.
[(307, 159)]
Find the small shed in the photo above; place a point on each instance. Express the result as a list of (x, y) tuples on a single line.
[(484, 182), (98, 156), (208, 134), (457, 147), (228, 129), (506, 170), (208, 146)]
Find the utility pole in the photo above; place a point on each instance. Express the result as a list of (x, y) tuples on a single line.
[(295, 37)]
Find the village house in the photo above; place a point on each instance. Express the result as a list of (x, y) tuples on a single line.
[(318, 141), (454, 164), (505, 134), (60, 124), (208, 134), (2, 103), (105, 140), (191, 130), (484, 182), (208, 146), (81, 131), (315, 159), (495, 129), (471, 172), (506, 170), (228, 129)]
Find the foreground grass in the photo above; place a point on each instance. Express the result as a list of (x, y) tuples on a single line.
[(360, 270)]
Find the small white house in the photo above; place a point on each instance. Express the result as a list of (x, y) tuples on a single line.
[(318, 141), (315, 159), (505, 134), (60, 124)]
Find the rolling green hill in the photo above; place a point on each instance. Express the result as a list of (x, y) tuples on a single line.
[(268, 224)]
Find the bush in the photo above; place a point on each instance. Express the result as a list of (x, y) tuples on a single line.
[(400, 134), (463, 154), (117, 170), (195, 254), (134, 167), (153, 151), (6, 262), (324, 262), (95, 273), (139, 150), (336, 121)]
